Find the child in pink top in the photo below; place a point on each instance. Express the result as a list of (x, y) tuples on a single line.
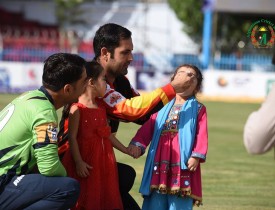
[(179, 141)]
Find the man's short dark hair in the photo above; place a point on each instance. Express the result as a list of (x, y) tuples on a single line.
[(61, 69), (109, 36)]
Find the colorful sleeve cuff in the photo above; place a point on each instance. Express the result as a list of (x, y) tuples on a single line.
[(169, 91), (137, 144), (198, 155)]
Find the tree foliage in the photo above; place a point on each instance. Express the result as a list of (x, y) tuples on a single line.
[(190, 13), (68, 12), (228, 28)]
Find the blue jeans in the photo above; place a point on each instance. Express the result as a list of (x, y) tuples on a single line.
[(166, 202), (35, 191)]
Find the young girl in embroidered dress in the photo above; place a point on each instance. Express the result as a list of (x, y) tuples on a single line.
[(91, 158), (179, 142)]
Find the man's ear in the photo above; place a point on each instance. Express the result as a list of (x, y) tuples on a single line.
[(67, 89), (104, 53)]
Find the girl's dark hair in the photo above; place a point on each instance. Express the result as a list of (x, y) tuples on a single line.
[(196, 69), (93, 69)]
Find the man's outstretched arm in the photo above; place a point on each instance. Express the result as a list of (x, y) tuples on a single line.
[(142, 106)]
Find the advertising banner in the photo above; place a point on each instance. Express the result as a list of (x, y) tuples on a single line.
[(20, 77), (237, 83)]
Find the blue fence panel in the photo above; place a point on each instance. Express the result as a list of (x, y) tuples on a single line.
[(179, 59), (248, 62)]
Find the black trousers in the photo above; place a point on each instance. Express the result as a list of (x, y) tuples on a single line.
[(127, 175), (35, 191)]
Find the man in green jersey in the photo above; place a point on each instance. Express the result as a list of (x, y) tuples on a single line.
[(28, 137)]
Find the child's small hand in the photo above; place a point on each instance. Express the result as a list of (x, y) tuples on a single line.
[(134, 151), (82, 169), (193, 163)]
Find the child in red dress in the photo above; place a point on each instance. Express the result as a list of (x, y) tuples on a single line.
[(91, 158)]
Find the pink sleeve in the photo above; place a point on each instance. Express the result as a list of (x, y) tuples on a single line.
[(144, 134), (201, 142)]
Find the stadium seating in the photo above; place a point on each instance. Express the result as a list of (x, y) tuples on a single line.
[(29, 41)]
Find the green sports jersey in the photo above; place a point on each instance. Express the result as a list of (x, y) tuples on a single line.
[(28, 136)]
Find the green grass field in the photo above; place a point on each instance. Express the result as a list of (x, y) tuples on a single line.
[(232, 179)]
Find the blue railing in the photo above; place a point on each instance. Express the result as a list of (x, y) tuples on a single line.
[(248, 62)]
